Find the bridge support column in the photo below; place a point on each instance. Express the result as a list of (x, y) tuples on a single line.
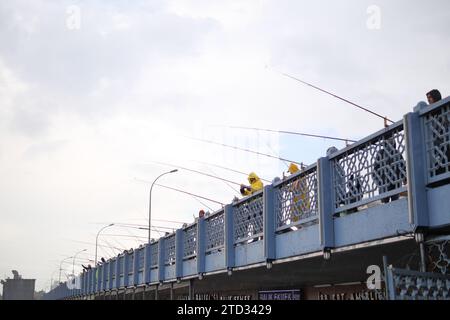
[(191, 289), (201, 245), (229, 237), (269, 225), (179, 253), (416, 169), (326, 204)]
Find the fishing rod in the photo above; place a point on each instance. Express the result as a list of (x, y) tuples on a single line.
[(244, 149), (182, 191), (226, 181), (196, 171), (229, 169), (386, 119), (290, 132), (191, 194), (228, 185)]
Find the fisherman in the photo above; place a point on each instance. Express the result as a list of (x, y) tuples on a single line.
[(255, 185), (300, 198), (389, 169)]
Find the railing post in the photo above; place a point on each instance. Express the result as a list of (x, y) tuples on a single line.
[(126, 261), (179, 246), (201, 245), (136, 260), (104, 274), (325, 203), (147, 263), (161, 259), (229, 237), (269, 221), (117, 284), (110, 275), (90, 281), (416, 169), (99, 277)]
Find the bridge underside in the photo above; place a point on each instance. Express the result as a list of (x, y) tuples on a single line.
[(345, 271)]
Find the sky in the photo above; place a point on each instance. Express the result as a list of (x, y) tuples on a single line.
[(91, 92)]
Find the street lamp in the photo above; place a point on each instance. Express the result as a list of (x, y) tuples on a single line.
[(60, 267), (96, 240), (150, 203), (73, 263)]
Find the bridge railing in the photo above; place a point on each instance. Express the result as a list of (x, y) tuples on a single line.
[(413, 285), (436, 125), (377, 169), (169, 250), (370, 170), (295, 199), (248, 219), (154, 254), (214, 231), (190, 242)]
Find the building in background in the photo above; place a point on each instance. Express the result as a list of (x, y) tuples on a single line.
[(18, 288)]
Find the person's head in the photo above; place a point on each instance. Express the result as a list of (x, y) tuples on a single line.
[(201, 213), (331, 150), (252, 178), (293, 168), (434, 96)]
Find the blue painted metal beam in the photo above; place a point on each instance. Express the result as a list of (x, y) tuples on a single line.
[(325, 203), (201, 245), (416, 171), (229, 237), (179, 253), (269, 221)]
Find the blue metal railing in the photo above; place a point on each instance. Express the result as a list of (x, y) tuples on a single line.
[(370, 170), (436, 127), (248, 218), (378, 169), (215, 226), (296, 199), (190, 242)]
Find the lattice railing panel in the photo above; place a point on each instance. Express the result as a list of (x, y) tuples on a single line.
[(215, 226), (437, 140), (248, 219), (296, 199), (190, 241), (373, 168)]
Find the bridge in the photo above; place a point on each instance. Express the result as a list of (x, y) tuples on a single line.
[(385, 195)]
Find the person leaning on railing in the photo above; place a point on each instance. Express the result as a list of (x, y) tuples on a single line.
[(388, 162), (300, 204), (440, 143), (255, 186)]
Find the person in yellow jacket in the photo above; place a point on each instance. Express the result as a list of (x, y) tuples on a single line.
[(255, 185), (300, 197)]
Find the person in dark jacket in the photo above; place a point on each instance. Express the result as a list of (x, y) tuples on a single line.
[(434, 96), (389, 169)]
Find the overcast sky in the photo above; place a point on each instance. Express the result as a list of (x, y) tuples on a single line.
[(92, 91)]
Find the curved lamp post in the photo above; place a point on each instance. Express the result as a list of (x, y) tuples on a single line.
[(150, 203), (73, 262), (96, 240), (60, 267)]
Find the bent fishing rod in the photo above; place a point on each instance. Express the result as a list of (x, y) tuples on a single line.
[(386, 119)]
